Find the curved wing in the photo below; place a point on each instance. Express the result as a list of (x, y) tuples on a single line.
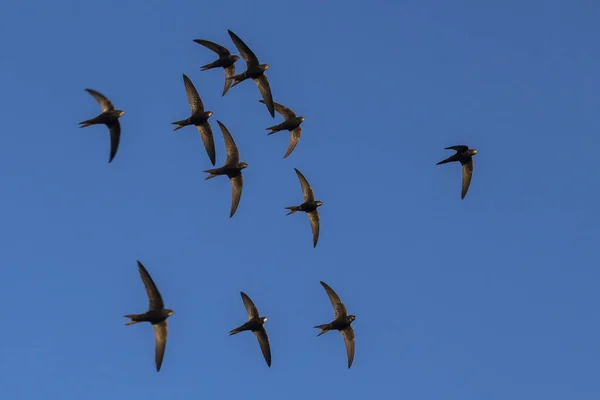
[(307, 191), (283, 110), (192, 94), (217, 48), (154, 297), (115, 137), (314, 225), (263, 341), (229, 73), (160, 335), (265, 91), (294, 138), (233, 155), (338, 306), (459, 148), (208, 140), (104, 102), (467, 172), (348, 335), (250, 307), (237, 182), (245, 52)]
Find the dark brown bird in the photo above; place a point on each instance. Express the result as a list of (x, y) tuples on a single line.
[(232, 168), (291, 123), (465, 156), (255, 324), (309, 206), (199, 118), (108, 117), (225, 61), (342, 322), (157, 315), (254, 70)]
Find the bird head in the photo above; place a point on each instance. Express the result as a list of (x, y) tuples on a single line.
[(242, 165), (209, 113), (351, 318), (120, 112), (264, 319), (264, 67), (235, 58), (169, 312), (474, 151), (301, 119), (319, 203)]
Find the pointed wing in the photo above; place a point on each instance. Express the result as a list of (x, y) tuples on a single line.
[(338, 306), (115, 137), (263, 341), (245, 52), (314, 225), (265, 92), (236, 192), (459, 148), (208, 140), (250, 307), (154, 297), (283, 110), (229, 72), (220, 50), (160, 335), (192, 95), (467, 172), (104, 102), (348, 335), (233, 155), (294, 138), (307, 191)]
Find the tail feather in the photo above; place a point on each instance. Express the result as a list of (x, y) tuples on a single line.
[(234, 331), (84, 124), (324, 329), (181, 124), (208, 66), (293, 209), (212, 174), (132, 316)]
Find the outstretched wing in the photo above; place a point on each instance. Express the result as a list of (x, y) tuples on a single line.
[(467, 172), (315, 225), (265, 91), (283, 110), (294, 139), (338, 306), (160, 336), (348, 335), (154, 297), (217, 48), (250, 307), (115, 137), (244, 50), (263, 341), (307, 191), (192, 94), (104, 102)]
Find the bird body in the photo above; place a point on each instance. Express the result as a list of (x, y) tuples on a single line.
[(309, 206), (225, 61), (255, 324), (464, 155)]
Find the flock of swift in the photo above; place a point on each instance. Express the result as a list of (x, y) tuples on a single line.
[(157, 314)]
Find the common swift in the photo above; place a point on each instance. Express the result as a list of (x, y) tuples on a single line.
[(108, 117), (225, 61), (465, 156), (254, 70), (255, 324), (157, 315), (309, 206), (199, 118), (291, 123), (232, 168), (341, 322)]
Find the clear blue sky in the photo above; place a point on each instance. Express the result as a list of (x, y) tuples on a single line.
[(492, 297)]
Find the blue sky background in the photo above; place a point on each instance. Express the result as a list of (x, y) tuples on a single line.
[(492, 297)]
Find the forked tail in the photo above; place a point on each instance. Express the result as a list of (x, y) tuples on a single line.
[(293, 209), (324, 329)]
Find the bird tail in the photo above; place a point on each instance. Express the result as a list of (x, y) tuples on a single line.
[(324, 329), (180, 124), (85, 123), (293, 209), (212, 173), (447, 160), (209, 66), (234, 331), (273, 129), (133, 319)]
